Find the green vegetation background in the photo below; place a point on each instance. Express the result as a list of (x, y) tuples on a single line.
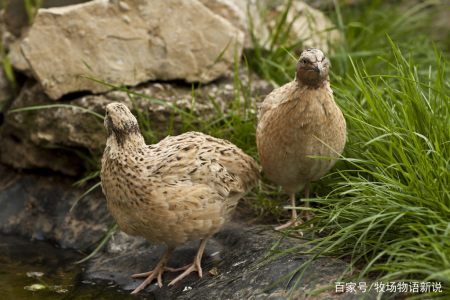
[(385, 208)]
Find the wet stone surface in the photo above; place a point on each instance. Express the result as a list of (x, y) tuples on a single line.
[(234, 264), (37, 206)]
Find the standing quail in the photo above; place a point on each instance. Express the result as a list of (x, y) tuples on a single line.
[(183, 188), (301, 131)]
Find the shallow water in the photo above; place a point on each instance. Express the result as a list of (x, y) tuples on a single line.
[(60, 279)]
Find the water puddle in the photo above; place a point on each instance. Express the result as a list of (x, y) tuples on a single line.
[(36, 270)]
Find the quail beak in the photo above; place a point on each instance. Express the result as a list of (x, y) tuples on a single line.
[(318, 68)]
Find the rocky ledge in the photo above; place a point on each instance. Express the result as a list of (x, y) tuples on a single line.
[(238, 262)]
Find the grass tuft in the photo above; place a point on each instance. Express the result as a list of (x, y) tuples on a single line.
[(388, 212)]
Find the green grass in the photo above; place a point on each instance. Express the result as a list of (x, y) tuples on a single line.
[(388, 208), (31, 7)]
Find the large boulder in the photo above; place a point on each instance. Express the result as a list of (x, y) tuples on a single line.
[(128, 42)]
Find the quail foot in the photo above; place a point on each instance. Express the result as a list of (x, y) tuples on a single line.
[(301, 131), (183, 188)]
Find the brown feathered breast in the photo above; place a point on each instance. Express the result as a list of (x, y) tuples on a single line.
[(183, 188), (297, 123)]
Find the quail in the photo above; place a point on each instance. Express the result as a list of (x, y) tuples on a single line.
[(183, 188), (301, 131)]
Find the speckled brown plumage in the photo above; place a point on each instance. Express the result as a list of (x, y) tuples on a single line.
[(183, 188), (297, 121)]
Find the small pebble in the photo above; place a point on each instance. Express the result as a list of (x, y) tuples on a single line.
[(124, 6), (187, 288), (59, 289), (34, 274), (215, 253), (214, 271), (35, 287)]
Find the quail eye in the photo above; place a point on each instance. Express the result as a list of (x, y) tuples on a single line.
[(304, 61)]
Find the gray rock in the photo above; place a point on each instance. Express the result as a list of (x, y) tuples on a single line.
[(56, 138), (234, 266), (23, 154), (37, 206), (16, 57), (128, 43), (63, 127)]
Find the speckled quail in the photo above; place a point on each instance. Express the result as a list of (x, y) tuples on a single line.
[(301, 131), (183, 188)]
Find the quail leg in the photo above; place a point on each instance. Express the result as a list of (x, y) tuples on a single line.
[(293, 221), (306, 214), (156, 273), (195, 266)]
